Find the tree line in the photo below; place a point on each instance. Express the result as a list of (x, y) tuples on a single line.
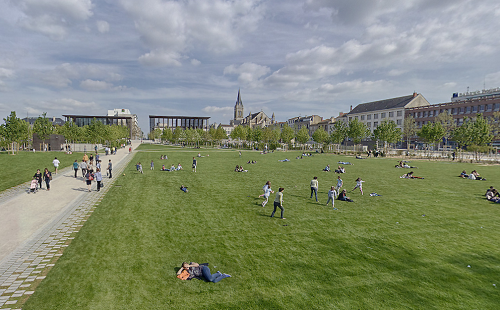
[(16, 133)]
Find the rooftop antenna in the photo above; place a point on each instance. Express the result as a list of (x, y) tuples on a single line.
[(467, 89), (484, 83)]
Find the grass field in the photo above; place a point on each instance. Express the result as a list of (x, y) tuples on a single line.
[(20, 168), (407, 249)]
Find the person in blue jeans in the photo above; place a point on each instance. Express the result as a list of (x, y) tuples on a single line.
[(314, 188), (198, 271)]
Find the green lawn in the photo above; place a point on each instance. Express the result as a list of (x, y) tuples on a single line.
[(408, 249), (20, 168)]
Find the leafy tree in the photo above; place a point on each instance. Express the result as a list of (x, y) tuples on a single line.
[(43, 127), (409, 129), (432, 132), (303, 135), (320, 136), (358, 131), (178, 135), (166, 135), (495, 124), (339, 133), (287, 134), (387, 132), (448, 123), (155, 134), (220, 134), (14, 131), (239, 133), (255, 134)]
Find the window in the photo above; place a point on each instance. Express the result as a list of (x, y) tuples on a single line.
[(480, 108), (497, 106), (419, 115), (399, 113), (467, 110), (418, 124), (369, 117), (460, 110), (382, 115), (391, 114), (474, 109), (375, 116), (375, 124), (424, 114), (362, 117), (398, 122), (350, 118), (355, 117), (368, 124), (489, 107), (453, 111)]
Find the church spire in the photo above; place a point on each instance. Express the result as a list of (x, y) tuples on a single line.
[(238, 100), (238, 109)]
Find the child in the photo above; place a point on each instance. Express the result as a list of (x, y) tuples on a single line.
[(267, 192), (184, 189), (359, 184), (268, 183), (340, 183), (152, 165), (332, 194), (140, 167)]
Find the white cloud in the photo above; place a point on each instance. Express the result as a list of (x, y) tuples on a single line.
[(195, 62), (173, 28), (160, 58), (213, 109), (247, 72), (92, 85), (102, 26), (63, 75), (53, 18), (59, 106)]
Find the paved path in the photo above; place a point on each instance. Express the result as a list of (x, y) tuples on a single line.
[(35, 228)]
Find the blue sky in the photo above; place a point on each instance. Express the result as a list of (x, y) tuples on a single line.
[(288, 57)]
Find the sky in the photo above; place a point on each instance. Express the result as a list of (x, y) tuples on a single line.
[(190, 57)]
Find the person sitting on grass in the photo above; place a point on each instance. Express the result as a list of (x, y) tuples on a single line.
[(172, 168), (475, 176), (340, 170), (464, 174), (343, 196), (489, 190), (410, 175), (179, 167), (184, 189), (163, 168), (327, 168), (202, 271), (493, 196)]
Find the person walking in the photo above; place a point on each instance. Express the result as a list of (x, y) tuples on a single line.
[(85, 158), (83, 166), (98, 178), (194, 164), (140, 168), (314, 188), (89, 177), (340, 183), (56, 163), (38, 176), (110, 168), (278, 203), (47, 176), (332, 194), (76, 166), (152, 165), (267, 193)]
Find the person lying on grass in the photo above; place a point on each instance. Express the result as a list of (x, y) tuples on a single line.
[(464, 174), (410, 175), (489, 190), (493, 196), (195, 270), (474, 175), (184, 189), (403, 165)]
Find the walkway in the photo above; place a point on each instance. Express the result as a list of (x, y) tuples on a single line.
[(35, 228)]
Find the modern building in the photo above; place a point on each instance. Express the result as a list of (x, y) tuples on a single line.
[(83, 120), (374, 113), (469, 107), (136, 132), (56, 121), (485, 93), (172, 122)]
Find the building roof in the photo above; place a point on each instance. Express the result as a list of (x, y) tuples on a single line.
[(392, 103), (54, 120)]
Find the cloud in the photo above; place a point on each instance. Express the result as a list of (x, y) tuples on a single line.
[(195, 62), (59, 106), (173, 28), (247, 72), (160, 58), (102, 26), (63, 75), (53, 18), (92, 85), (213, 109)]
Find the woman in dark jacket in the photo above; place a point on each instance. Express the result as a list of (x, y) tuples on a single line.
[(47, 176)]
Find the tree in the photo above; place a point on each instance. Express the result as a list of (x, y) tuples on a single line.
[(320, 136), (220, 134), (287, 134), (166, 135), (14, 131), (339, 133), (495, 124), (432, 132), (409, 129), (43, 128), (480, 136), (178, 135), (303, 135), (155, 134), (387, 132), (448, 123), (358, 131), (238, 133)]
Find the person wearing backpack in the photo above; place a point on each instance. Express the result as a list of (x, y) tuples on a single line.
[(89, 177)]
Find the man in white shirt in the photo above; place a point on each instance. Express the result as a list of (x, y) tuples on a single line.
[(56, 163)]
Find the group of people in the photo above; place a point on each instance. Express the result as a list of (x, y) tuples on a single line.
[(109, 150), (172, 168), (39, 177), (239, 169), (409, 175), (87, 167), (252, 162), (474, 175), (404, 164)]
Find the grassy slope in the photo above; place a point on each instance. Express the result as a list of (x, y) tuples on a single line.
[(376, 253), (20, 168)]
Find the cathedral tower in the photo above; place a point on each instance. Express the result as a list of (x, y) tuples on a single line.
[(238, 109)]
